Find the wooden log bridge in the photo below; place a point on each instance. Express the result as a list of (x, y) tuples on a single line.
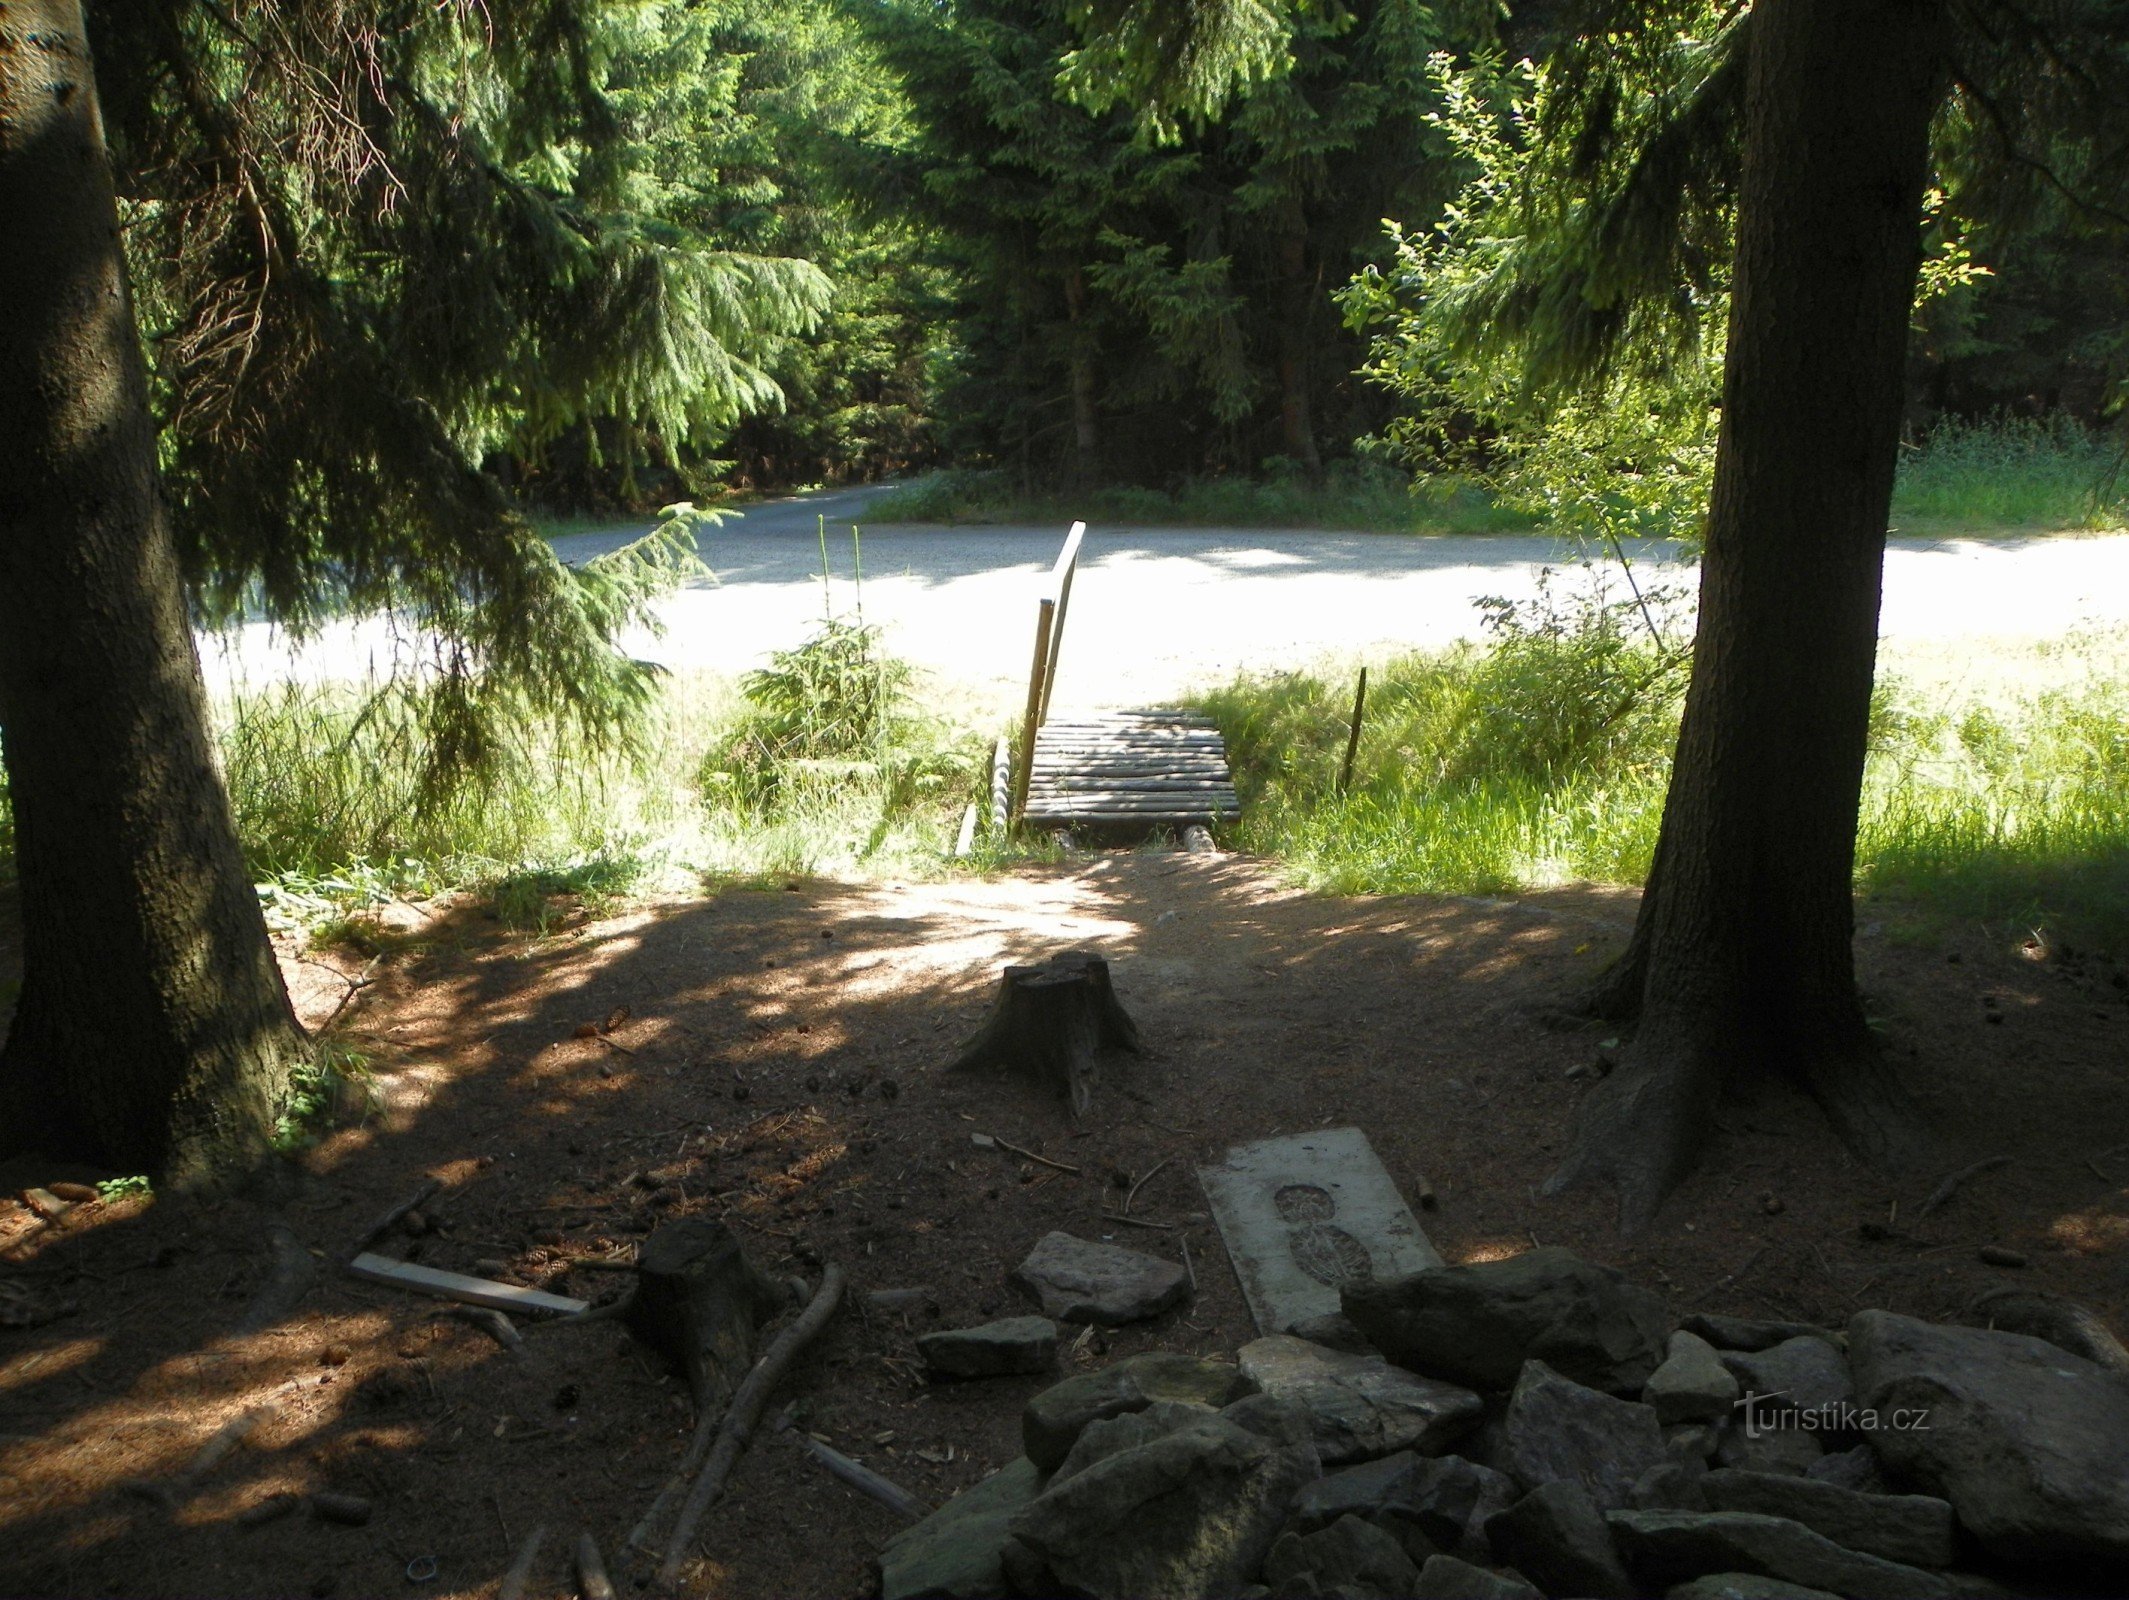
[(1119, 770)]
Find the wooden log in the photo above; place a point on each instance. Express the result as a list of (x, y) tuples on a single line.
[(1051, 1021), (458, 1286), (519, 1578), (592, 1581), (745, 1415), (859, 1476), (1001, 786), (699, 1303)]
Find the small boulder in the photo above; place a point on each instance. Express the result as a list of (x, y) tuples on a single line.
[(2023, 1438), (1693, 1441), (1334, 1330), (1190, 1512), (1009, 1347), (1077, 1280), (1054, 1418), (955, 1553), (1477, 1325), (1103, 1439), (1349, 1552), (1556, 1536), (1743, 1586), (1666, 1547), (1754, 1448), (1674, 1486), (1357, 1491), (1446, 1578), (1557, 1429), (1806, 1374), (1359, 1406), (1692, 1385), (1910, 1528), (1747, 1333), (1849, 1469)]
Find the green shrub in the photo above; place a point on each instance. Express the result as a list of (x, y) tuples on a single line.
[(2011, 472)]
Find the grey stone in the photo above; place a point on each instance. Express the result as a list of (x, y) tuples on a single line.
[(954, 1554), (1556, 1537), (1446, 1502), (1693, 1441), (1849, 1469), (1748, 1333), (1054, 1418), (2024, 1439), (1743, 1586), (1558, 1429), (1191, 1512), (1351, 1491), (1334, 1330), (1305, 1213), (1100, 1440), (1807, 1373), (1078, 1280), (1360, 1406), (1674, 1486), (1757, 1449), (1478, 1324), (1692, 1385), (1446, 1578), (1666, 1547), (1010, 1346), (1911, 1528), (1349, 1553)]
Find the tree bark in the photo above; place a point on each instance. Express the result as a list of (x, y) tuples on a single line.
[(1050, 1022), (1742, 959), (1086, 414), (153, 1034), (1297, 425)]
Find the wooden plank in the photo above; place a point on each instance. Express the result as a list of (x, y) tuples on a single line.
[(1174, 805), (1061, 586), (457, 1286), (1031, 724)]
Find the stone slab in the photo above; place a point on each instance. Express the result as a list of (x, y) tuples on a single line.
[(1307, 1214)]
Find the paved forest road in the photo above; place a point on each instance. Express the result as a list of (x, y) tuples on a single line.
[(1158, 611)]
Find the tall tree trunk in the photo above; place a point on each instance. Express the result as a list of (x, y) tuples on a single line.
[(153, 1034), (1743, 957), (1298, 291), (1086, 417)]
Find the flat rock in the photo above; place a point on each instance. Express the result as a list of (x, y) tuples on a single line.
[(1334, 1330), (1748, 1333), (1692, 1385), (1667, 1547), (1446, 1578), (2025, 1440), (1359, 1406), (1757, 1449), (1191, 1512), (1349, 1553), (1911, 1528), (1478, 1324), (1112, 1435), (1557, 1430), (955, 1553), (1357, 1491), (1054, 1418), (1743, 1586), (1674, 1486), (1012, 1346), (1849, 1469), (1556, 1537), (1806, 1374), (1079, 1280)]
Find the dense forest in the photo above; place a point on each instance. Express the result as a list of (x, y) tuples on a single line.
[(645, 249)]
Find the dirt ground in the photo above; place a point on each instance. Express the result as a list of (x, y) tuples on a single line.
[(780, 1066)]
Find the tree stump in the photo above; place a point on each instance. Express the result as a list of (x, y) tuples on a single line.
[(1050, 1022), (699, 1303)]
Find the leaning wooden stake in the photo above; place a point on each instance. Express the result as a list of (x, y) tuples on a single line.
[(1352, 738), (519, 1577), (1050, 1021), (740, 1422), (592, 1581)]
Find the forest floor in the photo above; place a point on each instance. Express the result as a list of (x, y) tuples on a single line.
[(779, 1065)]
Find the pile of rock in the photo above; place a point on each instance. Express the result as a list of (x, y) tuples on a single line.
[(1537, 1426)]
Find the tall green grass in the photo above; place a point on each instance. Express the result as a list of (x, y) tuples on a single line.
[(2011, 473), (1491, 769)]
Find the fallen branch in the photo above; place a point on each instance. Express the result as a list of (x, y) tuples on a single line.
[(170, 1491), (745, 1413), (990, 1141), (458, 1286), (383, 1225), (493, 1323), (1150, 1171), (1137, 1222), (519, 1577), (855, 1473), (1952, 1184), (1187, 1267)]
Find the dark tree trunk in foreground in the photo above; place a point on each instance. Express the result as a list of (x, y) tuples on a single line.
[(1086, 413), (1299, 289), (153, 1034), (1742, 959)]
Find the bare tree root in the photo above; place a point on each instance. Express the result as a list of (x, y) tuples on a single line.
[(1642, 1130), (1869, 1107)]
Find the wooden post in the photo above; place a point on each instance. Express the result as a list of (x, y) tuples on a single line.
[(1352, 738), (1038, 678), (1001, 786), (1061, 586), (967, 840)]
